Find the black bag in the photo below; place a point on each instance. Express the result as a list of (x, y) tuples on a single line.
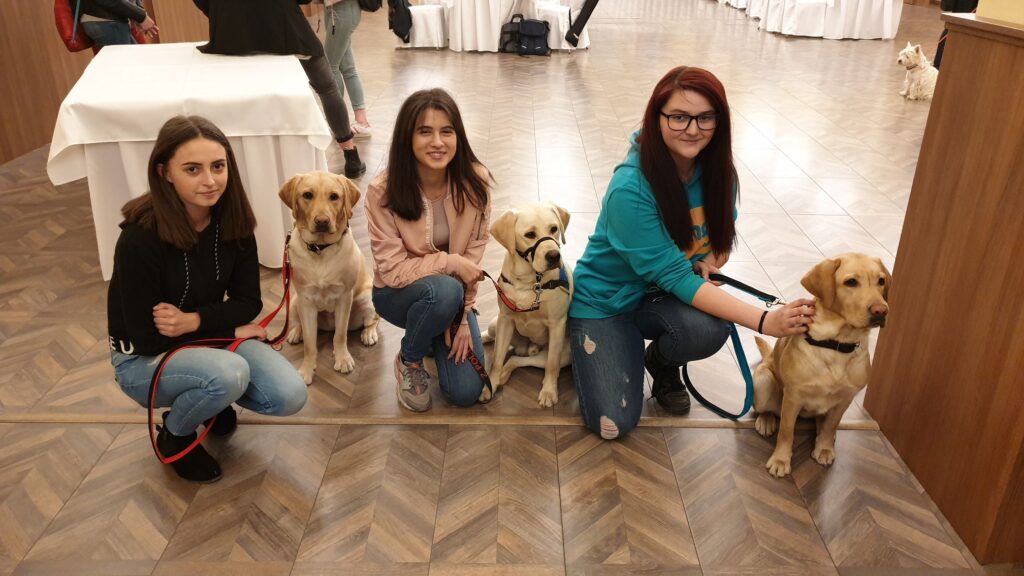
[(509, 42), (400, 19), (533, 38), (370, 5), (948, 5)]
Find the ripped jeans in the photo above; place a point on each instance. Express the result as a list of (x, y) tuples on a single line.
[(608, 356)]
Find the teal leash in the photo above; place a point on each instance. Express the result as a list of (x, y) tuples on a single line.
[(741, 357)]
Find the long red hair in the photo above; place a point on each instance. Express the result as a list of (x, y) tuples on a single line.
[(718, 173)]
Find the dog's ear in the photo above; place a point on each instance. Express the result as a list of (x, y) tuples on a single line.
[(287, 193), (917, 49), (909, 45), (563, 217), (888, 279), (821, 281), (352, 194), (504, 230)]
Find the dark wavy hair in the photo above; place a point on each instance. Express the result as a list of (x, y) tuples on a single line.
[(162, 210), (403, 193), (718, 172)]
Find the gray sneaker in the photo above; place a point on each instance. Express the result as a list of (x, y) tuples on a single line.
[(413, 384)]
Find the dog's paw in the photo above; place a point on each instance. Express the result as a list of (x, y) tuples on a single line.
[(903, 93), (506, 373), (547, 398), (778, 466), (486, 394), (369, 336), (824, 455), (344, 363), (532, 349), (765, 424), (295, 336), (307, 374)]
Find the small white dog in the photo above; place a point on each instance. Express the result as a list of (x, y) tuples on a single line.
[(921, 75)]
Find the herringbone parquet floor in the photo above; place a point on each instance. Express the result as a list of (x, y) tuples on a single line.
[(354, 486)]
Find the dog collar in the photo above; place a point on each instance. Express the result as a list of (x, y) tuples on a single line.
[(561, 282), (842, 347), (318, 248), (915, 66)]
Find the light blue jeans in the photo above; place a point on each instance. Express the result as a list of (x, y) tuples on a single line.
[(198, 383), (608, 356), (426, 308), (342, 19), (108, 33)]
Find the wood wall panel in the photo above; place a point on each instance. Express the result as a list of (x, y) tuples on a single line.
[(37, 72), (180, 21), (947, 384)]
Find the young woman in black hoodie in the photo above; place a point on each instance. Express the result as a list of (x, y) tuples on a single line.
[(183, 246)]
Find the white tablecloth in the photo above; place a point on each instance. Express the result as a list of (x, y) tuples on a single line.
[(475, 25), (109, 121), (832, 19)]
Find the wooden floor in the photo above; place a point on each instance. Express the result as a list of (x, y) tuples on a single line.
[(355, 486)]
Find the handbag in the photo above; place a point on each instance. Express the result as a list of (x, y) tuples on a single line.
[(509, 42), (533, 38), (66, 20)]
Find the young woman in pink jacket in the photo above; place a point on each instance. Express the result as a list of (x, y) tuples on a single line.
[(429, 217)]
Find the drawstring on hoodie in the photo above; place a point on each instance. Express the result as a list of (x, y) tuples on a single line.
[(216, 263)]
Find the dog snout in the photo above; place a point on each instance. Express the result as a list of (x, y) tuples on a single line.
[(553, 258), (322, 223), (879, 312)]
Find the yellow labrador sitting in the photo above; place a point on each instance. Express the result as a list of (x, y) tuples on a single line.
[(532, 276), (329, 272), (818, 374)]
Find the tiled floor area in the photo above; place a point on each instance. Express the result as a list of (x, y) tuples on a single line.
[(353, 485)]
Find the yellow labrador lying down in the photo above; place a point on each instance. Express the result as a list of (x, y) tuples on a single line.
[(329, 273), (818, 374), (533, 272)]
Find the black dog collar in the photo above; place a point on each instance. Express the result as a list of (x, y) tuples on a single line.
[(842, 347)]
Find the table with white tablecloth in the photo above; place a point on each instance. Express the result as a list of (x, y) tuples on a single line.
[(475, 25), (831, 19), (109, 122)]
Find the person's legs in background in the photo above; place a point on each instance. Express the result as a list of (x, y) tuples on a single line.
[(108, 33), (320, 78), (608, 368), (342, 20)]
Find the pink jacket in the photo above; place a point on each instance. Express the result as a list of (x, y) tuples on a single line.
[(404, 251)]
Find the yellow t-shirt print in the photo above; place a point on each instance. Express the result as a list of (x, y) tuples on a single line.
[(702, 242)]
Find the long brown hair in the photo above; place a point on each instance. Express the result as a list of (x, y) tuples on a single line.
[(402, 194), (718, 172), (162, 211)]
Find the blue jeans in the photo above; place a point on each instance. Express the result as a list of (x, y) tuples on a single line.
[(426, 308), (342, 19), (108, 33), (200, 382), (608, 356)]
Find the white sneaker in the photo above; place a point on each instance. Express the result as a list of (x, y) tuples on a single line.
[(360, 130)]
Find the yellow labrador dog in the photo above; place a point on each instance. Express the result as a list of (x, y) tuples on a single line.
[(329, 272), (818, 374), (536, 280)]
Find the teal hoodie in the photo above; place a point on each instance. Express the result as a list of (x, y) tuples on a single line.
[(631, 251)]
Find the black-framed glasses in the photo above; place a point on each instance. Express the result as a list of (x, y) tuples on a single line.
[(681, 122)]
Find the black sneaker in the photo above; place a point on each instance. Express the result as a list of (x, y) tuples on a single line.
[(197, 465), (667, 388), (225, 424)]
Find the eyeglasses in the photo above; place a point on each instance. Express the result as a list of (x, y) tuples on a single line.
[(681, 122)]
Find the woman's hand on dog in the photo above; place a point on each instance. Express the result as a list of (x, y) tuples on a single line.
[(172, 322), (461, 345), (466, 270), (793, 318), (251, 331)]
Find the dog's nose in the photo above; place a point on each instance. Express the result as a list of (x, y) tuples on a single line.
[(322, 223), (553, 258), (879, 312)]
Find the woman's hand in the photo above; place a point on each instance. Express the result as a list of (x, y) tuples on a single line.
[(705, 269), (251, 331), (461, 345), (793, 318), (172, 322), (466, 270), (149, 27)]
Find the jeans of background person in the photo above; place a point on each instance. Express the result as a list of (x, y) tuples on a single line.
[(425, 309), (200, 382), (108, 33), (608, 356), (320, 78), (342, 19)]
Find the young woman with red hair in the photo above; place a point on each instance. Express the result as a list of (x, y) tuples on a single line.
[(666, 223)]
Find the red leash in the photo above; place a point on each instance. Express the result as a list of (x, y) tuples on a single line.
[(232, 344)]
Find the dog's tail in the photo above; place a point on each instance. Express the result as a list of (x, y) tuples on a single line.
[(766, 351)]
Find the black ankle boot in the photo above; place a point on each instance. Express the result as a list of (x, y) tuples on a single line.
[(197, 465), (354, 167), (667, 388), (226, 423)]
